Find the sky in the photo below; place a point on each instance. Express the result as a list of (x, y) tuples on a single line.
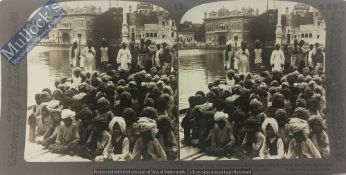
[(103, 4), (100, 3), (196, 14)]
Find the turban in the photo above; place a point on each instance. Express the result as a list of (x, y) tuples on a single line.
[(317, 119), (218, 116), (58, 93), (146, 124), (45, 96), (285, 84), (149, 112), (256, 104), (79, 96), (273, 123), (100, 122), (263, 86), (85, 112), (252, 123), (301, 113), (56, 111), (296, 125), (66, 113), (103, 102), (121, 123), (280, 114), (133, 83), (77, 69), (74, 40), (164, 117), (168, 89)]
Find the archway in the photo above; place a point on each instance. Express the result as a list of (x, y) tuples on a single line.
[(65, 38), (222, 40)]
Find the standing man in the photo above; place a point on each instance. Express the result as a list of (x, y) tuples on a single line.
[(319, 58), (310, 54), (79, 46), (74, 55), (242, 57), (288, 58), (143, 55), (166, 57), (88, 57), (301, 58), (104, 53), (151, 54), (228, 56), (277, 59), (124, 57), (157, 55), (258, 55), (134, 56)]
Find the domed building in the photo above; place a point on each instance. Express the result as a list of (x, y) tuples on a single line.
[(79, 21), (225, 25), (304, 23)]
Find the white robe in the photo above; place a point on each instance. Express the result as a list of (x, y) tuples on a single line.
[(88, 59), (277, 59), (242, 60), (73, 60), (124, 59)]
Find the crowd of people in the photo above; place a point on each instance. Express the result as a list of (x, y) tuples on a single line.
[(128, 111), (283, 58), (126, 56), (277, 114)]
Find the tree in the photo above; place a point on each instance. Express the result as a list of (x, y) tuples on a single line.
[(200, 34), (108, 25), (263, 27)]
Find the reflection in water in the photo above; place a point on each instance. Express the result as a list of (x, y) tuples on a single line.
[(45, 65), (196, 71)]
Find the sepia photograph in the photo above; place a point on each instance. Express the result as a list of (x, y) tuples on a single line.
[(102, 85), (252, 82)]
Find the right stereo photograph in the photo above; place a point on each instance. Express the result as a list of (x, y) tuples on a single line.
[(252, 82)]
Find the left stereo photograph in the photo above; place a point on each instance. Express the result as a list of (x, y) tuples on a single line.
[(102, 85)]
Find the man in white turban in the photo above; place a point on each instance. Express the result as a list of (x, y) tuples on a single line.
[(300, 147), (273, 147), (124, 57), (118, 148), (147, 147), (68, 135), (277, 58)]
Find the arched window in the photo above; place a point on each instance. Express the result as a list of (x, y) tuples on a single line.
[(302, 35), (310, 35), (306, 35)]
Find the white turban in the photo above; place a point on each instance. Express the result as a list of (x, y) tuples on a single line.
[(296, 125), (228, 43), (273, 123), (79, 96), (146, 124), (218, 116), (75, 40), (66, 113), (121, 123)]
